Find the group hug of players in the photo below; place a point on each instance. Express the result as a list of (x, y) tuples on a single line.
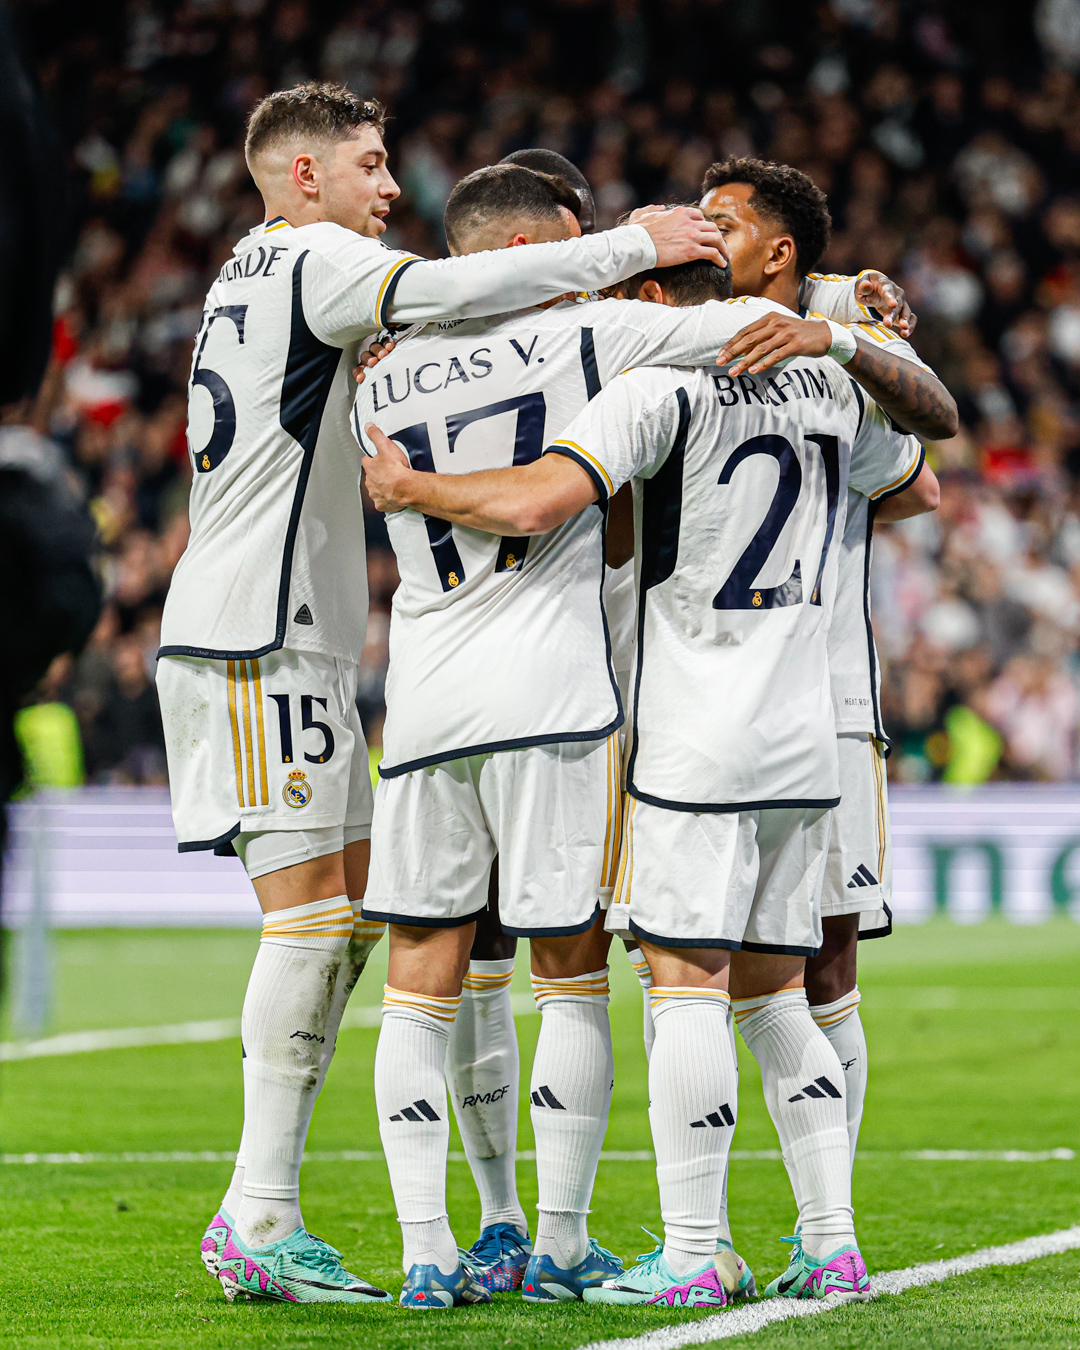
[(630, 479)]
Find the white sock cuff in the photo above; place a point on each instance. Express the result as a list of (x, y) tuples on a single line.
[(664, 998), (832, 1014), (323, 923), (641, 967), (485, 979), (424, 1008), (781, 1001), (591, 988), (364, 930)]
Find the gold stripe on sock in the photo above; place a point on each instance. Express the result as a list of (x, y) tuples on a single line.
[(486, 983), (442, 1009), (368, 930)]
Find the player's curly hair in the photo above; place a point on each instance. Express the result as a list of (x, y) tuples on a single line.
[(318, 109), (785, 195)]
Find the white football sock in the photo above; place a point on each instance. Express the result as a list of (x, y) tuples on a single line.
[(723, 1228), (840, 1021), (482, 1069), (804, 1091), (365, 936), (644, 974), (283, 1030), (414, 1121), (570, 1094), (693, 1098)]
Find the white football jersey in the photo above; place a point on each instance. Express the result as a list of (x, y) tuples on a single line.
[(276, 555), (740, 494), (499, 643), (853, 660)]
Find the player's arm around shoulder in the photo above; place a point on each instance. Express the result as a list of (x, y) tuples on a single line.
[(349, 282), (529, 499), (887, 463)]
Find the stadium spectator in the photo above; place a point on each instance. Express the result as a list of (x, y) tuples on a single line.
[(946, 135)]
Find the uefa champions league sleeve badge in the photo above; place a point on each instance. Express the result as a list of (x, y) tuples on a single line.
[(297, 791)]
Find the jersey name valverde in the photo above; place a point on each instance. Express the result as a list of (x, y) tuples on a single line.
[(276, 556), (740, 493), (502, 642)]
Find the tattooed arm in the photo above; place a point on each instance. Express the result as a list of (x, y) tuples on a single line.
[(912, 396)]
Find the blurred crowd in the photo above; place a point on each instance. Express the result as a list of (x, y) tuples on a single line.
[(947, 136)]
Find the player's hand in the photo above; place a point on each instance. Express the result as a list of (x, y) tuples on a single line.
[(386, 473), (773, 338), (682, 235), (372, 354), (879, 292)]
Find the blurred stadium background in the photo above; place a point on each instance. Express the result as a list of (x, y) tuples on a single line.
[(948, 139)]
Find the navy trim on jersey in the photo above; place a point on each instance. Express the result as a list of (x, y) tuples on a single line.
[(871, 645), (553, 738), (885, 931), (418, 921), (203, 845), (658, 546), (588, 364), (902, 487), (384, 309), (718, 808), (569, 931), (309, 374), (862, 405), (587, 465)]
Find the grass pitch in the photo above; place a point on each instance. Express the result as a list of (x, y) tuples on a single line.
[(973, 1046)]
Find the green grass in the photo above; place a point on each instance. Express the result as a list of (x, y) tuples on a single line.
[(974, 1045)]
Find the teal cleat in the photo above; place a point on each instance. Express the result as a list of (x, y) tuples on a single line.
[(499, 1257), (737, 1277), (298, 1269), (844, 1273), (427, 1289), (218, 1232), (652, 1281), (545, 1282)]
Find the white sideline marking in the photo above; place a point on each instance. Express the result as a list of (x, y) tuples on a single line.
[(527, 1155), (743, 1321), (184, 1033)]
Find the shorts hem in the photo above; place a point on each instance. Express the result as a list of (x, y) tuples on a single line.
[(423, 920), (776, 949), (493, 747), (729, 944), (568, 931), (699, 808), (204, 845)]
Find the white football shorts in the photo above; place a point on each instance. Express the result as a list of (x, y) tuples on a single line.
[(744, 880), (550, 813), (858, 874), (271, 743)]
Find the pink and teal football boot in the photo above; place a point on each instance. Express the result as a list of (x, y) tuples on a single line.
[(844, 1272), (499, 1256), (218, 1232), (653, 1282), (298, 1269), (736, 1275)]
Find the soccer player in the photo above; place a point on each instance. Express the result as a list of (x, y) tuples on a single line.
[(461, 609), (741, 488), (267, 611)]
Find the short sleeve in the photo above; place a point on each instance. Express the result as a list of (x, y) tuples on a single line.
[(625, 432), (348, 286), (883, 461)]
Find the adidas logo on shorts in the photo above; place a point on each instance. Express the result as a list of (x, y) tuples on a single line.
[(863, 877)]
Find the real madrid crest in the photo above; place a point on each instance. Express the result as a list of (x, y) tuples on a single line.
[(297, 791)]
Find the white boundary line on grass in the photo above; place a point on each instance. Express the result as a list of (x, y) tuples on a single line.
[(1012, 1155), (746, 1320)]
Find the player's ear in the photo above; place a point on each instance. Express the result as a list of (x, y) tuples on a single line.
[(781, 255), (305, 172), (652, 292)]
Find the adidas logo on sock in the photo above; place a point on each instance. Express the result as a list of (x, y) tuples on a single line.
[(717, 1119), (823, 1089), (419, 1110), (862, 876), (545, 1097)]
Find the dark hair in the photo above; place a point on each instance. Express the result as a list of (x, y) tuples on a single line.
[(690, 283), (558, 166), (785, 195), (505, 192), (317, 109)]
